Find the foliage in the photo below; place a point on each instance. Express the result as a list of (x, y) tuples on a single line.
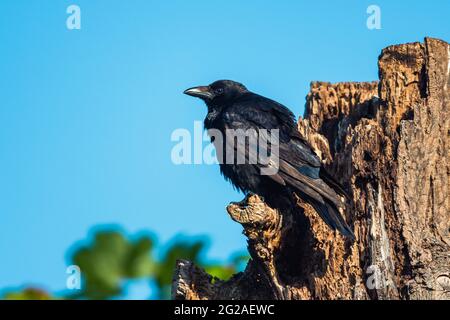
[(113, 258), (109, 260), (28, 294)]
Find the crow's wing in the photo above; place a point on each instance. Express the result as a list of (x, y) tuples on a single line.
[(257, 112), (298, 166)]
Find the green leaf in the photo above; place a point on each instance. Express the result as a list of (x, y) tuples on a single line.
[(111, 259), (29, 294)]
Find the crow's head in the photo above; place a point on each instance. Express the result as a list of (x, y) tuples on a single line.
[(218, 92)]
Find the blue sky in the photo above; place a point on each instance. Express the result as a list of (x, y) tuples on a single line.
[(86, 115)]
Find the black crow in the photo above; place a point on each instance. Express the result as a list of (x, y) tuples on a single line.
[(297, 168)]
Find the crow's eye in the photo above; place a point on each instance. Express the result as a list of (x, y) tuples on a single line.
[(218, 91)]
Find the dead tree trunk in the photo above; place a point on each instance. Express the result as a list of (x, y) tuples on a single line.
[(387, 142)]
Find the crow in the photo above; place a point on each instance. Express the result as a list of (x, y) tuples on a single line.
[(298, 170)]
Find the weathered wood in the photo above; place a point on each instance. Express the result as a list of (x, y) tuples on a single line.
[(387, 142)]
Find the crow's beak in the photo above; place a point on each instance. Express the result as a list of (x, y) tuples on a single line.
[(202, 92)]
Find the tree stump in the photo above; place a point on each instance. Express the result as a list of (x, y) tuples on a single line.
[(387, 142)]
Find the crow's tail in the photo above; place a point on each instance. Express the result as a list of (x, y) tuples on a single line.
[(332, 217), (329, 180)]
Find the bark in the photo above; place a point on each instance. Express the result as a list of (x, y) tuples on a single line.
[(387, 142)]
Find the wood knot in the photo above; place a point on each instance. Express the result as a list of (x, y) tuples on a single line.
[(251, 210)]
